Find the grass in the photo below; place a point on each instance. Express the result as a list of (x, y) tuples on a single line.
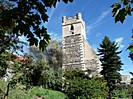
[(33, 93)]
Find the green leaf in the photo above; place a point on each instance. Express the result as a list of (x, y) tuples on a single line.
[(66, 1), (130, 48), (125, 2), (33, 41), (122, 15), (42, 45), (128, 9), (116, 5), (71, 0)]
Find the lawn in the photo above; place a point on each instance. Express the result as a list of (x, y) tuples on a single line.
[(32, 93)]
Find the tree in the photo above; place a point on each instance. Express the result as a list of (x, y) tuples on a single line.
[(123, 91), (25, 17), (52, 53), (3, 63), (131, 55), (9, 44), (28, 73), (53, 57), (111, 63), (77, 85), (122, 9), (36, 74)]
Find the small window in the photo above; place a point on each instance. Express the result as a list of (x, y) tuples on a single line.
[(72, 27)]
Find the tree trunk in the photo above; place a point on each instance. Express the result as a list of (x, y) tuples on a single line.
[(7, 91)]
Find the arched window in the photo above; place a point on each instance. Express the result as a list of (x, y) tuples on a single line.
[(72, 29)]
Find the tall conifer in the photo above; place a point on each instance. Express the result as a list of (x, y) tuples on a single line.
[(111, 63)]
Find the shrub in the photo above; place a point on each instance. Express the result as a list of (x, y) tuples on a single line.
[(123, 91), (78, 86)]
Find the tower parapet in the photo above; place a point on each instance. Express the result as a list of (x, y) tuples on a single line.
[(77, 17), (77, 22)]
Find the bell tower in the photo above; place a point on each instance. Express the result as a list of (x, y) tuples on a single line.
[(73, 30), (77, 52)]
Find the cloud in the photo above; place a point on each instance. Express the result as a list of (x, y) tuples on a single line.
[(119, 41), (102, 16), (98, 21), (98, 34), (51, 11)]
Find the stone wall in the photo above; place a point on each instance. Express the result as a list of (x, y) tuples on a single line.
[(77, 51), (125, 79)]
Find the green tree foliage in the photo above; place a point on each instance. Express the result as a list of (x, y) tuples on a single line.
[(78, 86), (28, 73), (130, 48), (6, 40), (3, 64), (123, 91), (25, 17), (122, 9), (34, 69), (9, 43), (52, 53), (53, 58), (35, 74), (131, 55), (110, 61)]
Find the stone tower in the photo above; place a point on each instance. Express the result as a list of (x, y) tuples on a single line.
[(77, 52)]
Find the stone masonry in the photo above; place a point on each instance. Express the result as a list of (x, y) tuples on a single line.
[(77, 52)]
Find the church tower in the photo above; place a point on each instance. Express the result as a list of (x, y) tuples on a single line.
[(77, 52)]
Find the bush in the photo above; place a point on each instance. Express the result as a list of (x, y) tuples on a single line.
[(85, 89), (123, 91), (121, 94), (78, 86)]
